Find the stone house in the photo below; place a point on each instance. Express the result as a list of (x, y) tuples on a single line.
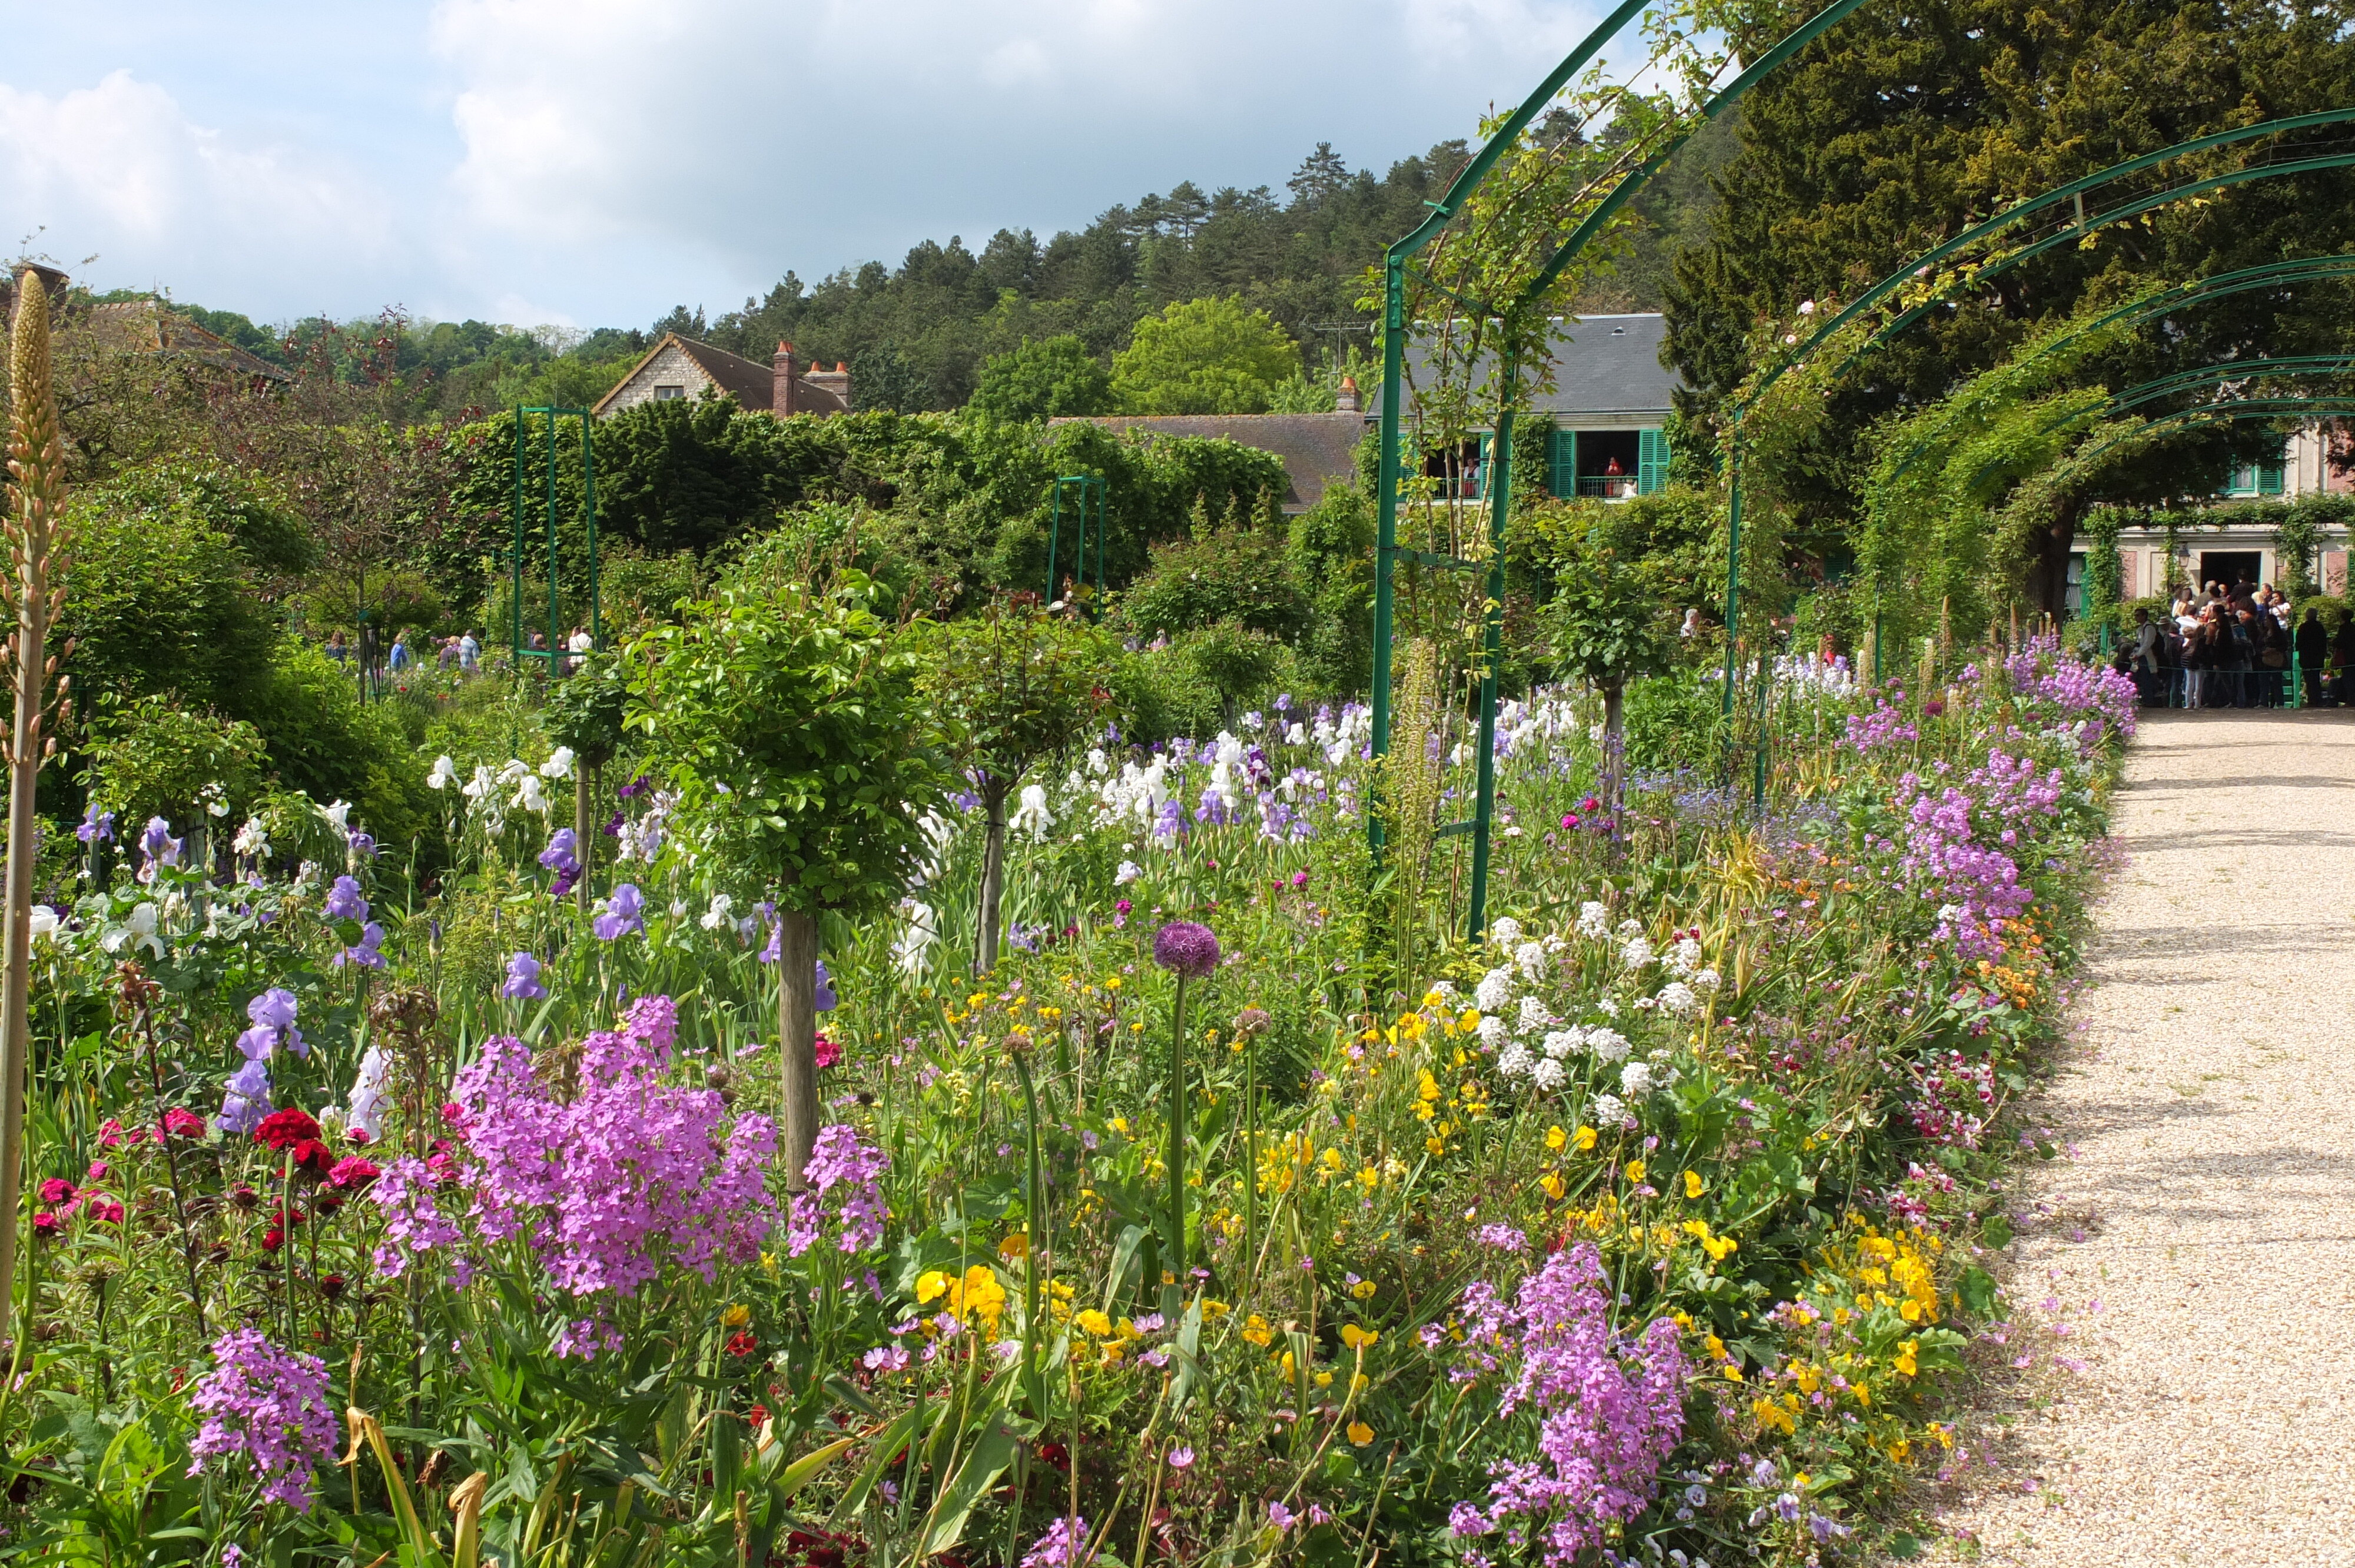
[(681, 368)]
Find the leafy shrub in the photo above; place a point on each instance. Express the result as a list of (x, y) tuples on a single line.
[(158, 756), (329, 744)]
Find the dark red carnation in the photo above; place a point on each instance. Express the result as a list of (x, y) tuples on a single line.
[(284, 1128)]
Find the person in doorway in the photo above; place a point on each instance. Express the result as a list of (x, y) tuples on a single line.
[(2313, 655)]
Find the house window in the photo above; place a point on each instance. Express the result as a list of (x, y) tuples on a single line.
[(2072, 595), (2263, 477), (670, 393)]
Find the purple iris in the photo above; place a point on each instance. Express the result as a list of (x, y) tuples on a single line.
[(563, 852), (523, 979), (273, 1014), (826, 997), (363, 847), (97, 826), (344, 900), (365, 954), (624, 911)]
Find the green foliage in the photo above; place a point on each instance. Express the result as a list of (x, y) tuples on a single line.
[(1332, 549), (1204, 356), (1611, 617), (161, 594), (1241, 575), (1043, 379), (326, 743), (586, 709), (785, 713), (157, 757), (1014, 684)]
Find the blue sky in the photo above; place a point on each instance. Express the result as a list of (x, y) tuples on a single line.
[(594, 161)]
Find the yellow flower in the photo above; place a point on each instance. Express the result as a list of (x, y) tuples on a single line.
[(1635, 1170), (736, 1317), (1119, 1125), (1693, 1184), (1333, 1161), (1554, 1184), (1906, 1365), (1215, 1309), (1585, 1139), (1556, 1138), (1361, 1433), (1286, 1363), (1429, 1088), (979, 1294), (1364, 1291), (769, 1264), (930, 1284), (1255, 1330), (1094, 1323), (1112, 983), (1733, 1372), (1770, 1414), (1436, 1146), (1016, 1245), (1356, 1339), (1469, 1020)]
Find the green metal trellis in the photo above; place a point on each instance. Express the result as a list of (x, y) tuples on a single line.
[(554, 651), (1394, 327), (1088, 500)]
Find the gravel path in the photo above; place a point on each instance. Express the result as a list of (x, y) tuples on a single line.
[(2196, 1258)]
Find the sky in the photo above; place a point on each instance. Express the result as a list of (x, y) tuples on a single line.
[(590, 163)]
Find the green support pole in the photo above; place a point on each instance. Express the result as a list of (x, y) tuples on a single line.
[(1499, 474), (1386, 490), (1103, 536), (552, 609), (1055, 538), (1732, 555), (515, 593)]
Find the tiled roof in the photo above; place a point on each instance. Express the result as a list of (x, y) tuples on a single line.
[(1602, 364), (146, 326), (1316, 449), (752, 385)]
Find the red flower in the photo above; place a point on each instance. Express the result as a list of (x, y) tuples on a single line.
[(110, 1134), (57, 1190), (284, 1128), (272, 1239), (331, 1286), (103, 1209), (245, 1197), (354, 1172), (741, 1343), (182, 1123), (99, 1170), (45, 1223), (828, 1052), (311, 1155), (758, 1417)]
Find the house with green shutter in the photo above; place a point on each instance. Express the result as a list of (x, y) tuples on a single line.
[(1604, 422)]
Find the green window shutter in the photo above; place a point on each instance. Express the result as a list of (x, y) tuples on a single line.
[(1651, 461), (1562, 460), (1482, 461), (2269, 478)]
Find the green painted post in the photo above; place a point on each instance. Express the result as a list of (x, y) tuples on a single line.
[(553, 612), (1386, 504), (515, 590), (1732, 554), (1054, 538), (1499, 474), (589, 489)]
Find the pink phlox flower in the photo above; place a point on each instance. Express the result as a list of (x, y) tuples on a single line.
[(271, 1405)]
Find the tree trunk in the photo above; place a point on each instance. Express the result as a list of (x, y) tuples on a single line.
[(798, 1032), (585, 793), (992, 871)]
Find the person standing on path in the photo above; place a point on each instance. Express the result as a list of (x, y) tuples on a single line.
[(2313, 654)]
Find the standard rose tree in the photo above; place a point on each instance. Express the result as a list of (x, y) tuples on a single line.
[(785, 713)]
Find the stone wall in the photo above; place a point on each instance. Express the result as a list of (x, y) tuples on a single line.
[(670, 366)]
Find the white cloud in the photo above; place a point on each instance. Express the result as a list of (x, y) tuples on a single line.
[(120, 169)]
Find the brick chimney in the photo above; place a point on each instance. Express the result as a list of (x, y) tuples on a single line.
[(836, 381), (1347, 401), (785, 374)]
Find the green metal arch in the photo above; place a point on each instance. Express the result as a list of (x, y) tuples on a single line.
[(2229, 413)]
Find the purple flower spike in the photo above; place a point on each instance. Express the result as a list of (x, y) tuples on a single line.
[(1188, 949), (272, 1408)]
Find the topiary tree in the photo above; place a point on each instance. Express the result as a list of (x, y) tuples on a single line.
[(1013, 685), (1611, 619), (786, 713)]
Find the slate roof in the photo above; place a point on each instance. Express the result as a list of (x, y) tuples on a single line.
[(1602, 364), (1316, 449)]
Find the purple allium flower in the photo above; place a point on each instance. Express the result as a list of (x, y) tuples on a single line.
[(1187, 948), (1065, 1545), (270, 1406), (97, 826), (1610, 1410), (624, 911), (523, 979), (344, 901)]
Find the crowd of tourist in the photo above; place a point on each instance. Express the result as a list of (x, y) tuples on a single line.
[(459, 654), (2236, 645)]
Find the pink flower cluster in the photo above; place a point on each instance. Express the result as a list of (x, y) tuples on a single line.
[(1885, 726), (1976, 888), (1611, 1410), (627, 1175), (270, 1406), (850, 1171), (2043, 673)]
